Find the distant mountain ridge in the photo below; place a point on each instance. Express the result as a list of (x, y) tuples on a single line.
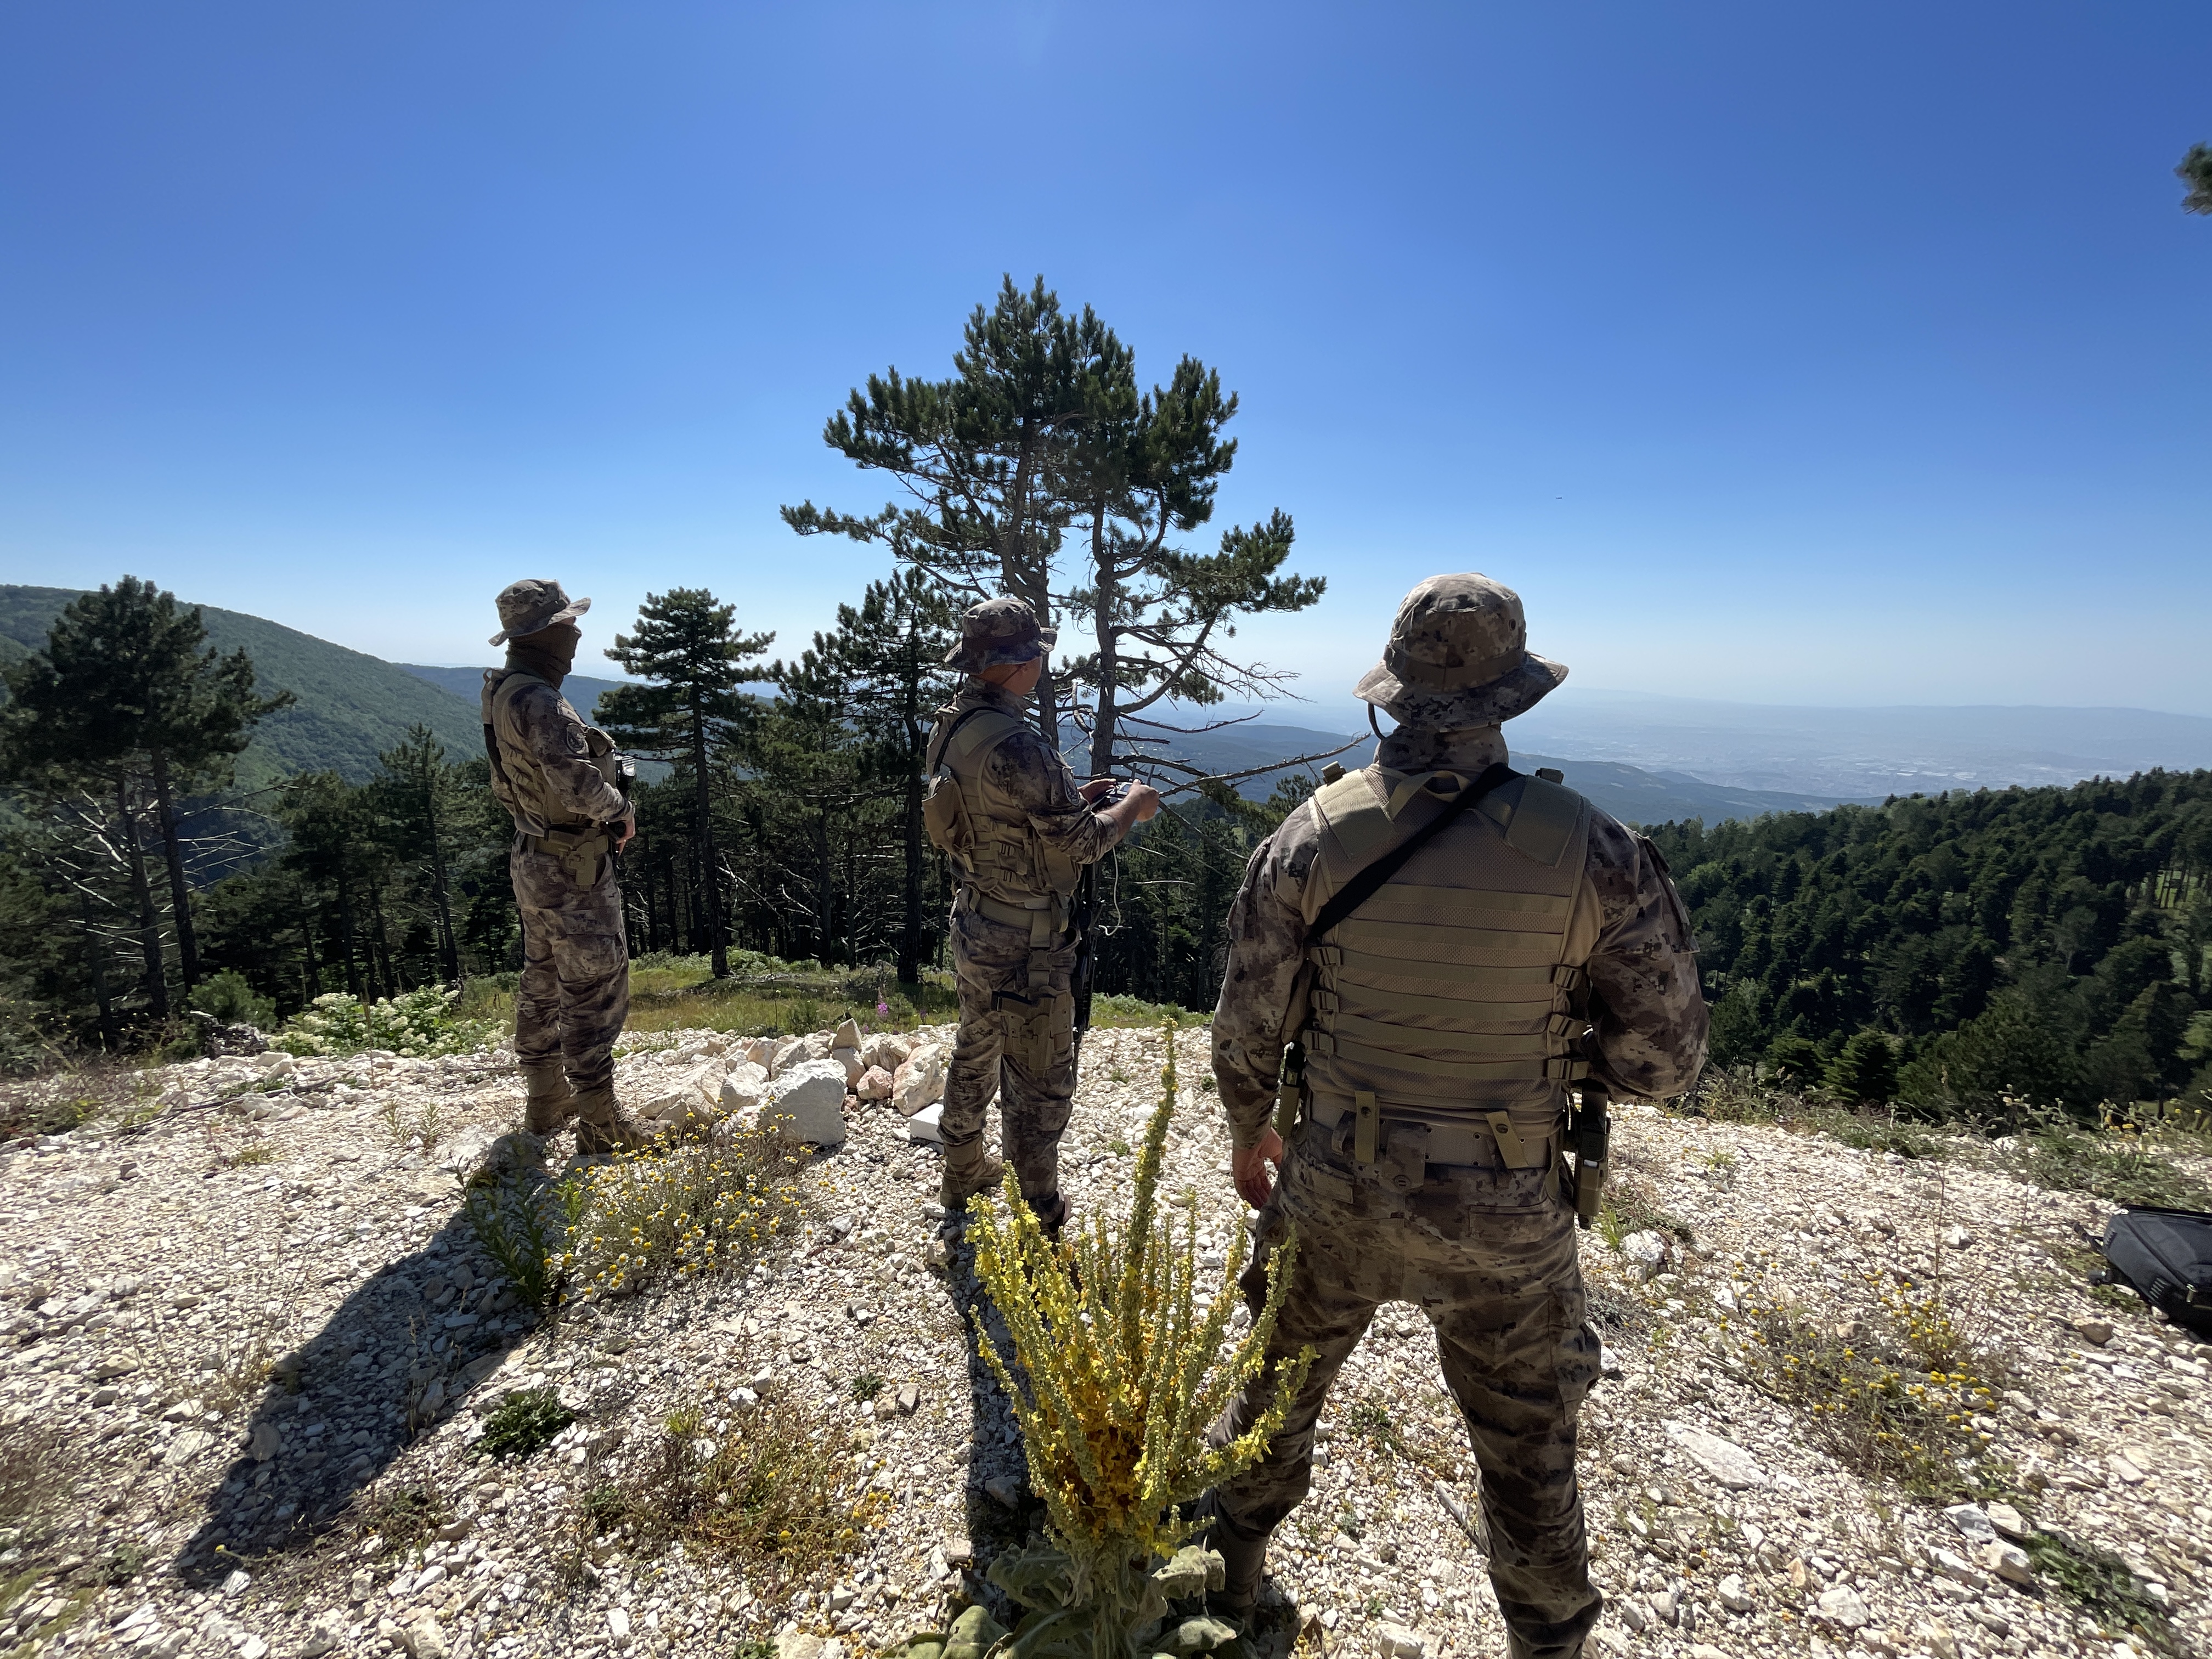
[(352, 706)]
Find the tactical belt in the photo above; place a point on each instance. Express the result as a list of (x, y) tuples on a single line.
[(579, 849), (1046, 920), (1496, 1145)]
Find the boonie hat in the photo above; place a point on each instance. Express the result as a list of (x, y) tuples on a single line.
[(529, 605), (1459, 656), (998, 631)]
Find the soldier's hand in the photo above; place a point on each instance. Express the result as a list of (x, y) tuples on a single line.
[(1248, 1167), (1143, 802), (629, 828), (1097, 787)]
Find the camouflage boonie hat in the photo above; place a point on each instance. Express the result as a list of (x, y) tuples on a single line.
[(1459, 656), (1000, 630), (528, 605)]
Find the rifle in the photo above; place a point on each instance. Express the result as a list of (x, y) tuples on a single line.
[(1082, 910)]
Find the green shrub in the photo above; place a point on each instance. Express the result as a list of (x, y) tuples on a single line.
[(229, 998), (524, 1224), (416, 1024), (1865, 1074), (524, 1423)]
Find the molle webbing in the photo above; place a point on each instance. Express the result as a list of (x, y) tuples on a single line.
[(1007, 860), (1458, 978)]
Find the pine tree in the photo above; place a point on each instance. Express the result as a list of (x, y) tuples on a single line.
[(2195, 172), (416, 793), (1865, 1073), (686, 644), (887, 659), (981, 456), (125, 691)]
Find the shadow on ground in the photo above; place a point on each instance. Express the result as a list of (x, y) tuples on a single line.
[(392, 1360)]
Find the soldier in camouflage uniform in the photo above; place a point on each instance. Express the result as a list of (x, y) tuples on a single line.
[(552, 773), (1016, 829), (1530, 942)]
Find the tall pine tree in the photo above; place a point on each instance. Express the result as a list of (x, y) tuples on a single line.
[(686, 643)]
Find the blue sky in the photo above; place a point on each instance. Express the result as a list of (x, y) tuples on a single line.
[(1834, 355)]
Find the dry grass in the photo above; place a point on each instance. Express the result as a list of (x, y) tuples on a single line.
[(770, 1488), (670, 1213)]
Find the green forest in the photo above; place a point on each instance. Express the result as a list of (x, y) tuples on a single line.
[(202, 814), (2050, 945)]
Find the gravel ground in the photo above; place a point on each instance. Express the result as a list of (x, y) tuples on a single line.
[(241, 1329)]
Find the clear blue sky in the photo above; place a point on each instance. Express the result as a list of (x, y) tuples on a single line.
[(1837, 353)]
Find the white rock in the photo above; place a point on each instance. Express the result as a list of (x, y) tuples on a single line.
[(2007, 1521), (1733, 1595), (875, 1084), (2123, 1471), (477, 1153), (618, 1627), (920, 1079), (760, 1051), (1840, 1604), (788, 1053), (1957, 1237), (1394, 1641), (1972, 1522), (2008, 1562), (1646, 1252), (696, 1092), (927, 1125), (807, 1103), (855, 1067), (1727, 1464), (743, 1089), (185, 1445), (1633, 1613), (885, 1049), (424, 1639), (1958, 1569), (846, 1035), (1006, 1489)]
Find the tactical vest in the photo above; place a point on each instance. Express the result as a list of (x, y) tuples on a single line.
[(987, 838), (1453, 997), (518, 781)]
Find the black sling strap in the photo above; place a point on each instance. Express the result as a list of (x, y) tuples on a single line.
[(1369, 881)]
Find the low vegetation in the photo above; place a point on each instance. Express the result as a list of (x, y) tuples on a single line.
[(1901, 1396), (415, 1023), (2121, 1161), (2103, 1585), (523, 1424), (774, 1488)]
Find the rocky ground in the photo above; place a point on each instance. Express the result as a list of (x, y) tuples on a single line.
[(248, 1332)]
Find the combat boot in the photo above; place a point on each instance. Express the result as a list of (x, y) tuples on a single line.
[(968, 1170), (1051, 1212), (602, 1125), (1243, 1560), (548, 1101)]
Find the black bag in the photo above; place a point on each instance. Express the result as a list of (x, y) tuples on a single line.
[(2166, 1257)]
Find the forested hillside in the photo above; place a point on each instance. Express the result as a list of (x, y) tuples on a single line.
[(2054, 944), (351, 707)]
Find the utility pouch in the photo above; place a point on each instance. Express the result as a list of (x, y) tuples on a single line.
[(1592, 1133), (1290, 1087)]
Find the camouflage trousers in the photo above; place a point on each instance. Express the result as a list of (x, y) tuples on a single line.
[(575, 990), (1014, 1040), (1489, 1255)]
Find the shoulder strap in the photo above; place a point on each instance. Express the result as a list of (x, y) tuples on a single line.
[(1369, 879), (985, 737)]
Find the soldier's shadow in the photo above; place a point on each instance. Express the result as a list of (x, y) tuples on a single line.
[(995, 1451), (394, 1358)]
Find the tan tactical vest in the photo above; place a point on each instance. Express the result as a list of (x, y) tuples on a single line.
[(518, 781), (984, 833), (1453, 996)]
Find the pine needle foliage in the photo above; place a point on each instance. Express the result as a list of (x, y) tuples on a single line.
[(1123, 1364)]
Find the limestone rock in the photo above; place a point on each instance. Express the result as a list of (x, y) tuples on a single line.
[(1646, 1252), (920, 1079), (849, 1056), (875, 1085), (1394, 1641), (885, 1049), (692, 1094), (2007, 1521), (927, 1126), (1733, 1595), (480, 1156), (1727, 1464), (788, 1053), (846, 1035), (2008, 1562), (1840, 1604), (807, 1103), (1972, 1522), (743, 1089)]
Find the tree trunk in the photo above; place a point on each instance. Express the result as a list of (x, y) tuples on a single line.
[(909, 948), (710, 866), (440, 895), (111, 1039), (188, 953), (312, 974), (1101, 725), (345, 935), (149, 925)]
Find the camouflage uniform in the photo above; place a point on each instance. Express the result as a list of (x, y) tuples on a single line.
[(574, 994), (1486, 1250), (1013, 952)]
